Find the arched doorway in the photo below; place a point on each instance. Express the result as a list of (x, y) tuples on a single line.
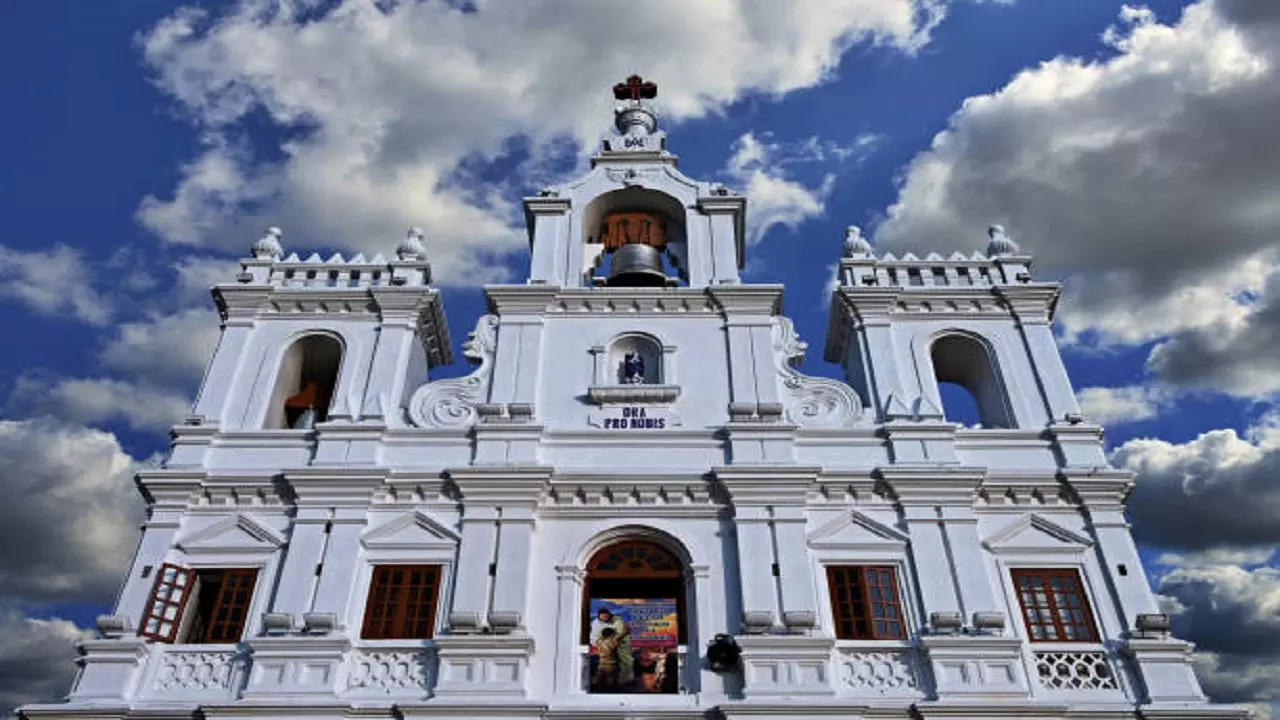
[(634, 618)]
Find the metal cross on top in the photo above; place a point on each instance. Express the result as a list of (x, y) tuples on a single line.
[(635, 88)]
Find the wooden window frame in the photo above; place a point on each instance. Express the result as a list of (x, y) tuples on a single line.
[(846, 628), (1089, 624), (227, 617), (380, 602), (162, 598)]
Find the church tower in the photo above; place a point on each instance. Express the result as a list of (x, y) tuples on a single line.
[(635, 505)]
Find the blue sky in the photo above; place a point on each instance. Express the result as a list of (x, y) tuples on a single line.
[(146, 144)]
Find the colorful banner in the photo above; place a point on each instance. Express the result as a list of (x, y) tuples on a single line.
[(633, 645)]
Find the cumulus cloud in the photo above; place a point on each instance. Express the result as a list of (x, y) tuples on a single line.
[(52, 282), (96, 401), (1148, 177), (36, 658), (1232, 613), (373, 106), (170, 349), (1117, 405), (1225, 481), (68, 512), (761, 168)]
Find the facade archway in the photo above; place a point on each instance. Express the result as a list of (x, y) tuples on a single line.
[(634, 610)]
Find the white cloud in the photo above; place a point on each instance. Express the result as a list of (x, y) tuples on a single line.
[(95, 401), (1225, 481), (52, 282), (380, 103), (167, 349), (759, 168), (68, 512), (1148, 177), (1117, 405), (36, 658), (1233, 616)]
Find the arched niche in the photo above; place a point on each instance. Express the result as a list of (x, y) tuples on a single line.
[(305, 382), (968, 365), (636, 575), (641, 345), (635, 200)]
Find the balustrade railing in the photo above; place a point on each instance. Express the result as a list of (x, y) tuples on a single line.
[(196, 671), (877, 669), (403, 669)]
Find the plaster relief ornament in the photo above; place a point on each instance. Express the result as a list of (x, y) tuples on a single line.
[(268, 247), (413, 246), (633, 369), (810, 402), (1000, 244), (855, 245), (452, 403)]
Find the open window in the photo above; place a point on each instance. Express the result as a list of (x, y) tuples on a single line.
[(206, 605), (402, 602), (969, 382), (1054, 605), (865, 603), (305, 385)]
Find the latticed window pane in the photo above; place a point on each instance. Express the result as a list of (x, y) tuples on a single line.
[(402, 602), (865, 603), (1054, 605), (167, 603), (230, 605)]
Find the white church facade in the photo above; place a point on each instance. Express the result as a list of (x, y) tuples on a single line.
[(635, 506)]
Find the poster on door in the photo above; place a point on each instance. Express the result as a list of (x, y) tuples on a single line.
[(633, 645)]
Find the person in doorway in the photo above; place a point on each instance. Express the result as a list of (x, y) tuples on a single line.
[(607, 665), (606, 620)]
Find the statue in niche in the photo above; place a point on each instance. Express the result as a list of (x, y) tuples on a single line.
[(633, 369)]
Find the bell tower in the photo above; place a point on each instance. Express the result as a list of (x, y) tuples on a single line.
[(635, 220)]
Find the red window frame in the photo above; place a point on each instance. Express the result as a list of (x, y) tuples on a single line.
[(865, 602), (1054, 605), (401, 604), (167, 603)]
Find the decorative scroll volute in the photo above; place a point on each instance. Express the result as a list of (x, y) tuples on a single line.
[(627, 228)]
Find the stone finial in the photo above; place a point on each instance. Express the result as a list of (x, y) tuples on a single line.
[(1000, 244), (412, 247), (854, 244), (268, 246)]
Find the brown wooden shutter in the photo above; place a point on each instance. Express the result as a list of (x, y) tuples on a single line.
[(402, 602), (168, 601)]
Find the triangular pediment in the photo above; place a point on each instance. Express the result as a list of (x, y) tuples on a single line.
[(1034, 534), (853, 530), (415, 530), (236, 534)]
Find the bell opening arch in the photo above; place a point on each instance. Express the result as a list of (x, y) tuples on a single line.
[(650, 220), (969, 382), (306, 379)]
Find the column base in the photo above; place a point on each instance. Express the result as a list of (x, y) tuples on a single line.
[(1166, 669), (968, 668), (482, 665), (293, 665), (786, 665), (110, 669)]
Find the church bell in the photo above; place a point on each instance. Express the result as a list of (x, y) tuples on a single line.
[(637, 265)]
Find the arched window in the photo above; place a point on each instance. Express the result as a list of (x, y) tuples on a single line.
[(969, 382), (634, 616), (304, 387)]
